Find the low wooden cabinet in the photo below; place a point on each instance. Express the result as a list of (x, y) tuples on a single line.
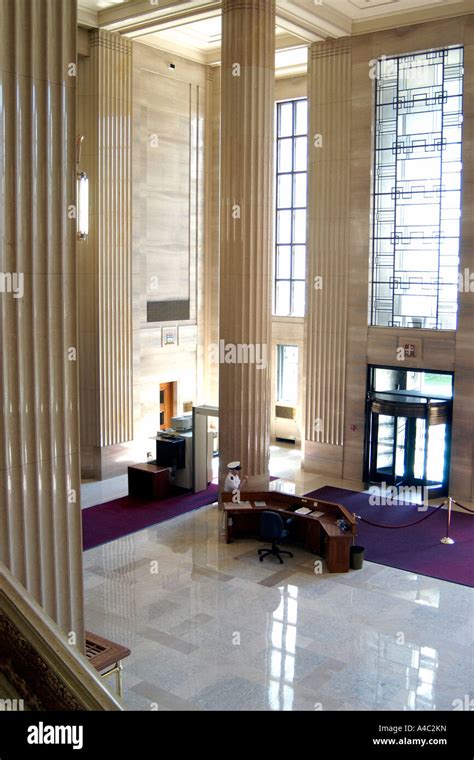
[(148, 481), (338, 553)]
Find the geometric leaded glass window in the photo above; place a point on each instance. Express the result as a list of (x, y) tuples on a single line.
[(290, 233), (416, 201)]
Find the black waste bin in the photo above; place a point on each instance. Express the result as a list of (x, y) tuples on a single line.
[(357, 557)]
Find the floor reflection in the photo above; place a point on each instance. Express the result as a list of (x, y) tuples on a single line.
[(282, 640)]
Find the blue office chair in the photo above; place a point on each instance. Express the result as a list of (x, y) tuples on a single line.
[(272, 529)]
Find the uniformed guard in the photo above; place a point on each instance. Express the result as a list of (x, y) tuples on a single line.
[(233, 481)]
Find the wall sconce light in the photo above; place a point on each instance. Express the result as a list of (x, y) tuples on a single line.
[(82, 206)]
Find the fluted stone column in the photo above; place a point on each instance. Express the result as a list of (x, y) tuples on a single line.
[(329, 92), (105, 261), (40, 520), (461, 477), (248, 49), (210, 281)]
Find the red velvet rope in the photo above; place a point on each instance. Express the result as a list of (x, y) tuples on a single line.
[(405, 525)]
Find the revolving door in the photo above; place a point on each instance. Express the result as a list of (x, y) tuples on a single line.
[(408, 435)]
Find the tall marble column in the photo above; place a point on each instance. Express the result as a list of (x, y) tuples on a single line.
[(40, 520), (461, 478), (105, 261), (248, 70), (210, 282), (329, 93)]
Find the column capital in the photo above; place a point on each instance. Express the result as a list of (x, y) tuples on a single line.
[(328, 48), (230, 6), (111, 41)]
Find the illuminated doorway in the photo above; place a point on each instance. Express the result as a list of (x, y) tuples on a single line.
[(408, 428)]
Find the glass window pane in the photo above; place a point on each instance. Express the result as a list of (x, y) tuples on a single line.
[(285, 160), (287, 374), (299, 262), (282, 299), (302, 117), (299, 191), (284, 191), (436, 453), (298, 298), (420, 444), (400, 453), (283, 262), (285, 120), (283, 227), (301, 159), (438, 385), (385, 439), (299, 226)]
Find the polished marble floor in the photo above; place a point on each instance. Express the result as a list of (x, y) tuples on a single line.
[(212, 628)]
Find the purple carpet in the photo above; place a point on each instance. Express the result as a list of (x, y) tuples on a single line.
[(120, 517), (416, 549)]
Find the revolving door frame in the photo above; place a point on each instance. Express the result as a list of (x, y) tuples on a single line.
[(435, 410)]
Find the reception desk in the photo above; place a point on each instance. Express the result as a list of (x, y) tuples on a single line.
[(316, 531)]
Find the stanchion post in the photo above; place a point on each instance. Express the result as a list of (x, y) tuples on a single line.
[(447, 539)]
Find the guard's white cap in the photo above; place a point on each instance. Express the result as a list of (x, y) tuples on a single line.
[(234, 466)]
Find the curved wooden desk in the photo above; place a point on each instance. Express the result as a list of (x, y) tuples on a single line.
[(318, 534)]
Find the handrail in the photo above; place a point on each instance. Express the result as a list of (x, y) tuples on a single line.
[(59, 676)]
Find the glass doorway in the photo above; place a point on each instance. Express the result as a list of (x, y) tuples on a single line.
[(408, 428), (166, 405)]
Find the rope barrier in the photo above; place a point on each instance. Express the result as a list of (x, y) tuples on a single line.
[(405, 525), (461, 506)]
